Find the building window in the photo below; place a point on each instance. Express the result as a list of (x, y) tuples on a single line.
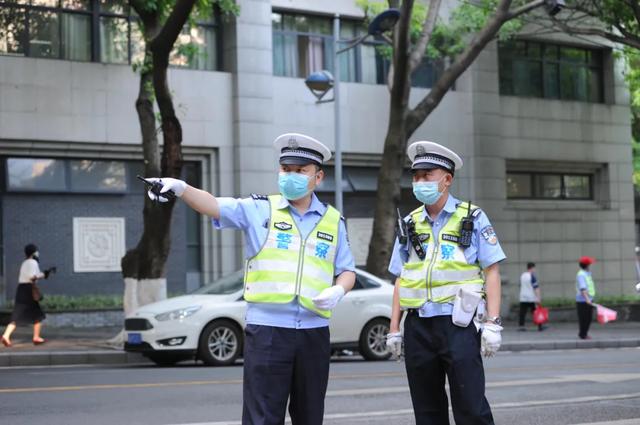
[(551, 71), (303, 44), (95, 30), (70, 175), (532, 185)]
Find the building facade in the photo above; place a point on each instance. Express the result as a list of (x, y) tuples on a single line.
[(543, 126)]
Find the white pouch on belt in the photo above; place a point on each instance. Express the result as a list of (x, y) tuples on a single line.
[(464, 307)]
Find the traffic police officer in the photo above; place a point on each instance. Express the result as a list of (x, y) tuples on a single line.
[(438, 263), (296, 247)]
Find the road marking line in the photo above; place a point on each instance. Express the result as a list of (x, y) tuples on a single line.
[(599, 378), (403, 412)]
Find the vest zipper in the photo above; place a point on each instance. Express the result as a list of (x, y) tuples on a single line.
[(303, 244), (430, 269)]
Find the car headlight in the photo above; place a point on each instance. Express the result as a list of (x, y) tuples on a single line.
[(178, 314)]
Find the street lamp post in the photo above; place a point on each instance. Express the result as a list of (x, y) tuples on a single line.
[(336, 113), (320, 82)]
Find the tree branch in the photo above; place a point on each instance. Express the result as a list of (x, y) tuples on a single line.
[(629, 40), (425, 36), (524, 9), (163, 42), (445, 82), (400, 81)]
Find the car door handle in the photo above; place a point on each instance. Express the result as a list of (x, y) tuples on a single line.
[(357, 301)]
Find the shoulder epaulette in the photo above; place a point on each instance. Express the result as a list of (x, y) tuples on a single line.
[(258, 197), (476, 213)]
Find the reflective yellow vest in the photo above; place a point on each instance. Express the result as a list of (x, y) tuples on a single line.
[(444, 270), (591, 287), (288, 265)]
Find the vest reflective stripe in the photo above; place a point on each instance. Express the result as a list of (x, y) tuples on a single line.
[(288, 265), (284, 266), (439, 292), (442, 275), (591, 286), (270, 287), (444, 270)]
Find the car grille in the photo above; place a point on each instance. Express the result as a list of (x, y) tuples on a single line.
[(137, 325)]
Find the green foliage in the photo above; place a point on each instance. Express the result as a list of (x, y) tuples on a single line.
[(203, 11), (449, 38), (82, 302)]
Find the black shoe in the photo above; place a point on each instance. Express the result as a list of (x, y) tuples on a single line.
[(522, 329), (542, 328)]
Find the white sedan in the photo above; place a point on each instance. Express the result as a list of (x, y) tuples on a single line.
[(207, 324)]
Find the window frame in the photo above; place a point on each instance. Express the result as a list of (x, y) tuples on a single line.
[(95, 13), (544, 63), (67, 177), (534, 175)]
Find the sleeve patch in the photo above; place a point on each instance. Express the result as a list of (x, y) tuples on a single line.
[(489, 235)]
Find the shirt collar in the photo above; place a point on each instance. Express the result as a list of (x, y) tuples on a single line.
[(316, 206), (449, 207)]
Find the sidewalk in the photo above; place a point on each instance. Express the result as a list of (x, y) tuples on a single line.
[(66, 346)]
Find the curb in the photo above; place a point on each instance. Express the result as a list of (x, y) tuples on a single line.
[(67, 358), (115, 357), (570, 345)]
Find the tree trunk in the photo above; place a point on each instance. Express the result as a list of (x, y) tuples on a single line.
[(388, 192), (143, 267), (387, 199)]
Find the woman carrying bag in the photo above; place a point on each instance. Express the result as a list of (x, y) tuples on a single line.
[(26, 308)]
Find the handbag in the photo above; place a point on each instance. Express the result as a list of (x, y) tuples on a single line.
[(35, 292), (540, 315)]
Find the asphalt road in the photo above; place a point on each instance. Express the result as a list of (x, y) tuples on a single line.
[(553, 387)]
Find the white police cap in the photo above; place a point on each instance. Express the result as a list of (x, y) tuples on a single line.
[(298, 149), (426, 155)]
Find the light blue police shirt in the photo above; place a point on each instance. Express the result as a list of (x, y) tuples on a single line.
[(252, 216), (581, 283), (485, 249)]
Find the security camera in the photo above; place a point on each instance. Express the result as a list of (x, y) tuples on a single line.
[(554, 6)]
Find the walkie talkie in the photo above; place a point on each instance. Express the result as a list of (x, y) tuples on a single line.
[(415, 240), (156, 187), (402, 229), (466, 228)]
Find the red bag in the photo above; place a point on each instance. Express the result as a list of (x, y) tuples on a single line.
[(605, 314), (540, 315)]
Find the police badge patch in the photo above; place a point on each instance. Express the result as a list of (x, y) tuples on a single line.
[(282, 225), (489, 235)]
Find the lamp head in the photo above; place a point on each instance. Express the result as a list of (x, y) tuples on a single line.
[(384, 21), (319, 82)]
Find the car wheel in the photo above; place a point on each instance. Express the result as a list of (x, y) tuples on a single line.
[(164, 359), (220, 343), (373, 340)]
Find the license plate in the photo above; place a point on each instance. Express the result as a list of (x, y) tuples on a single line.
[(134, 338)]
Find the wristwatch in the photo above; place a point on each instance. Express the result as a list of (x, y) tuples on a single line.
[(495, 319)]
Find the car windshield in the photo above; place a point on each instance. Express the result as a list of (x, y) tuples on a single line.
[(225, 285)]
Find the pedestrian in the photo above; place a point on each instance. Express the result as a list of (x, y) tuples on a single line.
[(585, 292), (448, 282), (26, 309), (295, 246), (530, 296)]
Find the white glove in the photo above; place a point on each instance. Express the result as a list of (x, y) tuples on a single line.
[(176, 186), (491, 339), (394, 344), (329, 298)]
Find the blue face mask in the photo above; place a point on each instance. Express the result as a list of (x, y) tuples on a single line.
[(294, 186), (427, 192)]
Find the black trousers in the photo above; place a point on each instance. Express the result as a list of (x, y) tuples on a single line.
[(283, 364), (524, 308), (435, 348), (585, 314)]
